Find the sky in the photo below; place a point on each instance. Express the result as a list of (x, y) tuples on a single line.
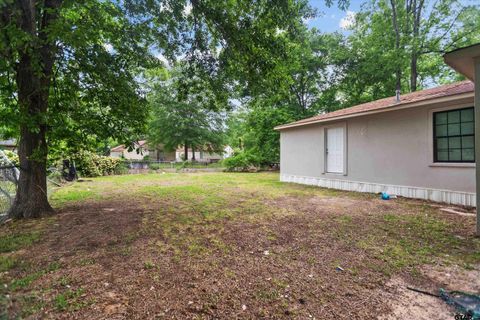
[(332, 19)]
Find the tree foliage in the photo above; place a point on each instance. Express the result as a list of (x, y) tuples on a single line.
[(194, 120), (70, 68), (398, 44), (392, 44)]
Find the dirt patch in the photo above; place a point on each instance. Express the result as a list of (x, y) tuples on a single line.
[(307, 255), (407, 304)]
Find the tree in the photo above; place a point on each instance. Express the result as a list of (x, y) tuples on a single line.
[(69, 67), (192, 120), (406, 38), (297, 88), (62, 60)]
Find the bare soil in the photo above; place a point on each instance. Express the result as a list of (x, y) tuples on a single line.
[(313, 257)]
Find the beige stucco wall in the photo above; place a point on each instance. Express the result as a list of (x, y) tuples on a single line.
[(394, 148)]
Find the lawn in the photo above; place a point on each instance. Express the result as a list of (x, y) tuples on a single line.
[(221, 245)]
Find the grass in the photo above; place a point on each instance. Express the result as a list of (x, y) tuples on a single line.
[(71, 300), (13, 242), (194, 199), (217, 227), (73, 193)]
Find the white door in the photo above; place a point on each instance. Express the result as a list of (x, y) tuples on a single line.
[(335, 150)]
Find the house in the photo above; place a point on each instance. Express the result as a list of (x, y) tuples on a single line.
[(201, 155), (417, 145), (10, 144), (142, 150), (467, 62)]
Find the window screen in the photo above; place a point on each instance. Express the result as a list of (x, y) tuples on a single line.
[(454, 139)]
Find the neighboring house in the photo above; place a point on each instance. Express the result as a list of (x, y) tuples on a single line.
[(10, 144), (141, 150), (420, 146), (200, 155)]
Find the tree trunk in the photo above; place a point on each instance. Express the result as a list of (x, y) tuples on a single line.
[(398, 71), (193, 153), (31, 199), (185, 150), (413, 72), (417, 15), (33, 77)]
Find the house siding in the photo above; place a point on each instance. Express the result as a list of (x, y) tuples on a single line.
[(385, 151)]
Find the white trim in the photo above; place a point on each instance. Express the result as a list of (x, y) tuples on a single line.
[(386, 109), (430, 138), (438, 195), (453, 164)]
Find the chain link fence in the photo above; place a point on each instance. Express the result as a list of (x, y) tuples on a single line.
[(8, 183)]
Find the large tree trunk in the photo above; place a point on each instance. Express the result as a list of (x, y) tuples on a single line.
[(31, 200), (185, 150), (33, 77), (193, 153)]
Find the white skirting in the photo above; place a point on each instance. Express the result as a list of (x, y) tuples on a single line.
[(447, 196)]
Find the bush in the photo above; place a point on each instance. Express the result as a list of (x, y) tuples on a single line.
[(155, 166), (121, 168), (12, 156), (89, 164), (242, 161)]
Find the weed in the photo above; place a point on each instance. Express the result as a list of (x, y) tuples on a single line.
[(25, 281), (7, 263), (14, 242), (148, 265), (70, 300)]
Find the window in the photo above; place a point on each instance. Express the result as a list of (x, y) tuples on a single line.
[(454, 139)]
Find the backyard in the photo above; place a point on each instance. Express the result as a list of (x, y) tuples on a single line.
[(232, 245)]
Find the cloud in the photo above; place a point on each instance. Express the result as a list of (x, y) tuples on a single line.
[(348, 21)]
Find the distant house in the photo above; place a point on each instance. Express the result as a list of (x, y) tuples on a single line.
[(10, 144), (142, 150), (419, 145), (200, 155)]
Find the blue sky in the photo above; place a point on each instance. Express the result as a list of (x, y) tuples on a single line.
[(330, 19)]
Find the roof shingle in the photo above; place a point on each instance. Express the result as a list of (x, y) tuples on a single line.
[(390, 102)]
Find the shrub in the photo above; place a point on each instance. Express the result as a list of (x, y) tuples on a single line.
[(242, 161), (182, 165), (12, 156), (154, 166), (90, 164), (121, 168)]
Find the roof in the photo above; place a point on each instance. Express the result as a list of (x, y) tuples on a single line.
[(389, 104), (463, 60), (120, 148)]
